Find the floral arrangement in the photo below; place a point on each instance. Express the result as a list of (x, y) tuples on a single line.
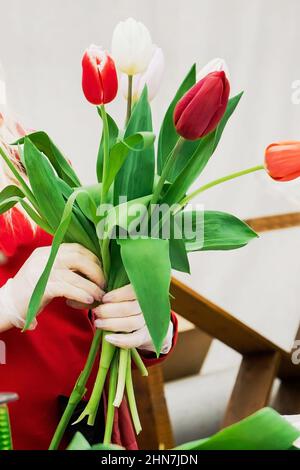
[(136, 218)]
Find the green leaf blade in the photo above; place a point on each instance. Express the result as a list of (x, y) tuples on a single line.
[(148, 267), (264, 430), (135, 178)]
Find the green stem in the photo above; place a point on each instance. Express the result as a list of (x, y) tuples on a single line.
[(213, 183), (110, 404), (105, 151), (77, 393), (124, 358), (131, 399), (165, 172), (129, 98), (27, 191), (139, 362), (91, 408)]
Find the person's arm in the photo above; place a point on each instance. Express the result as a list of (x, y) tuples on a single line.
[(76, 275), (121, 314)]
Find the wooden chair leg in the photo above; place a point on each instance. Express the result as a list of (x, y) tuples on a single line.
[(288, 397), (252, 387), (157, 431)]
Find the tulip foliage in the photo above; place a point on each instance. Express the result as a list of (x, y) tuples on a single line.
[(132, 171), (263, 430)]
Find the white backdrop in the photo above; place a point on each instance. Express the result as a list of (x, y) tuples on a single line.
[(41, 44)]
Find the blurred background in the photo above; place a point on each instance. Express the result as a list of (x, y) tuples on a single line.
[(41, 45)]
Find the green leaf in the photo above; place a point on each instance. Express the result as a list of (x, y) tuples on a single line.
[(5, 432), (43, 184), (264, 430), (62, 167), (113, 135), (48, 193), (178, 255), (135, 178), (168, 135), (178, 252), (148, 267), (119, 152), (79, 442), (58, 239), (9, 197), (231, 106), (198, 161), (124, 215), (222, 231)]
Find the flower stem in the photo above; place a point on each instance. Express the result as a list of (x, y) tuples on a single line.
[(124, 353), (131, 399), (77, 393), (91, 408), (111, 395), (166, 170), (139, 362), (129, 98), (105, 152), (213, 183)]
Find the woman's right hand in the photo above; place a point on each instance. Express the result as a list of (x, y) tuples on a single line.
[(76, 275)]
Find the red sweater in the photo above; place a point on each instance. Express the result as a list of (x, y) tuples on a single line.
[(45, 363)]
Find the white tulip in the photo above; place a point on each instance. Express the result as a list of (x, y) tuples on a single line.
[(131, 47), (151, 77), (214, 65)]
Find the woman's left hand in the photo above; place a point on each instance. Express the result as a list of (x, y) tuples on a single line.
[(121, 313)]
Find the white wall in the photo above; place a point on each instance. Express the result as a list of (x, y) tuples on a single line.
[(41, 44)]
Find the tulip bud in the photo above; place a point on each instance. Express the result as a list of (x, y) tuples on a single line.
[(214, 65), (282, 160), (200, 110), (132, 46), (99, 76), (151, 77)]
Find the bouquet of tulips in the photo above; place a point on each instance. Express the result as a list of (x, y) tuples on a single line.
[(136, 217)]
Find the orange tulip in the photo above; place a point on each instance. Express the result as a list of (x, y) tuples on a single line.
[(282, 160)]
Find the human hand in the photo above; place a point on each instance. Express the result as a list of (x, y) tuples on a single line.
[(121, 313), (76, 275)]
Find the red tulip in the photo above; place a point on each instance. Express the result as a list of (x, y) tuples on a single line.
[(99, 76), (282, 160), (200, 110)]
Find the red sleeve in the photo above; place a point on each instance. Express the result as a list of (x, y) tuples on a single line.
[(151, 359), (16, 230)]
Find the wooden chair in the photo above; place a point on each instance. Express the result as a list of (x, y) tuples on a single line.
[(262, 360)]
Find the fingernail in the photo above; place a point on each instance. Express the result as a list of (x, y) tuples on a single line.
[(111, 340), (98, 323), (89, 299), (100, 294)]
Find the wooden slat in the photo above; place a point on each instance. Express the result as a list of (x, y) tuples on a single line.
[(253, 385), (157, 431), (274, 222), (216, 322)]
